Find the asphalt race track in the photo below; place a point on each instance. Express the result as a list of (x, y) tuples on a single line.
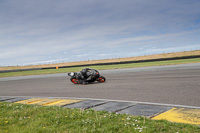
[(178, 84)]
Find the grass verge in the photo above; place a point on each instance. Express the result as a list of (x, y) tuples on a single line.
[(21, 118), (146, 57), (103, 67)]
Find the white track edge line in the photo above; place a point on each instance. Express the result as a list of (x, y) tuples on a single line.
[(110, 100)]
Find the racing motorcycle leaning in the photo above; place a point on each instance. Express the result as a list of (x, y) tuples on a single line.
[(92, 75)]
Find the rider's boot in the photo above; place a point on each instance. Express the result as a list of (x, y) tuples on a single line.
[(84, 83)]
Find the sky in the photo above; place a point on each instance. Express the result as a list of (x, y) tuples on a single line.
[(48, 31)]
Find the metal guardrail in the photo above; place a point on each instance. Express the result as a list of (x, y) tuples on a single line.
[(110, 63), (18, 70)]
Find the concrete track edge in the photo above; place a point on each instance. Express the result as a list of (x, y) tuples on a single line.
[(157, 111)]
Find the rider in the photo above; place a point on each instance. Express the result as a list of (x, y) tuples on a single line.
[(83, 76)]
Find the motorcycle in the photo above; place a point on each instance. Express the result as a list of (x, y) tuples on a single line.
[(92, 75)]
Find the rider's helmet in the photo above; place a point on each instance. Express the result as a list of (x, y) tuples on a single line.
[(71, 74)]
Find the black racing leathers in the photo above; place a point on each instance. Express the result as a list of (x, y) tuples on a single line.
[(83, 75)]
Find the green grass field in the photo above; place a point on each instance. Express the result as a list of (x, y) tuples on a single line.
[(103, 67), (20, 118)]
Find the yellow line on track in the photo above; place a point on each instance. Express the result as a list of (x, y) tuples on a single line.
[(181, 115), (48, 101), (53, 102), (30, 101), (63, 102)]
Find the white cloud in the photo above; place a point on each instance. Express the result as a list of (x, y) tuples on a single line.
[(68, 28), (47, 62)]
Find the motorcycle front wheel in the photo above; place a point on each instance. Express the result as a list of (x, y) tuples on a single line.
[(101, 79), (74, 80)]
